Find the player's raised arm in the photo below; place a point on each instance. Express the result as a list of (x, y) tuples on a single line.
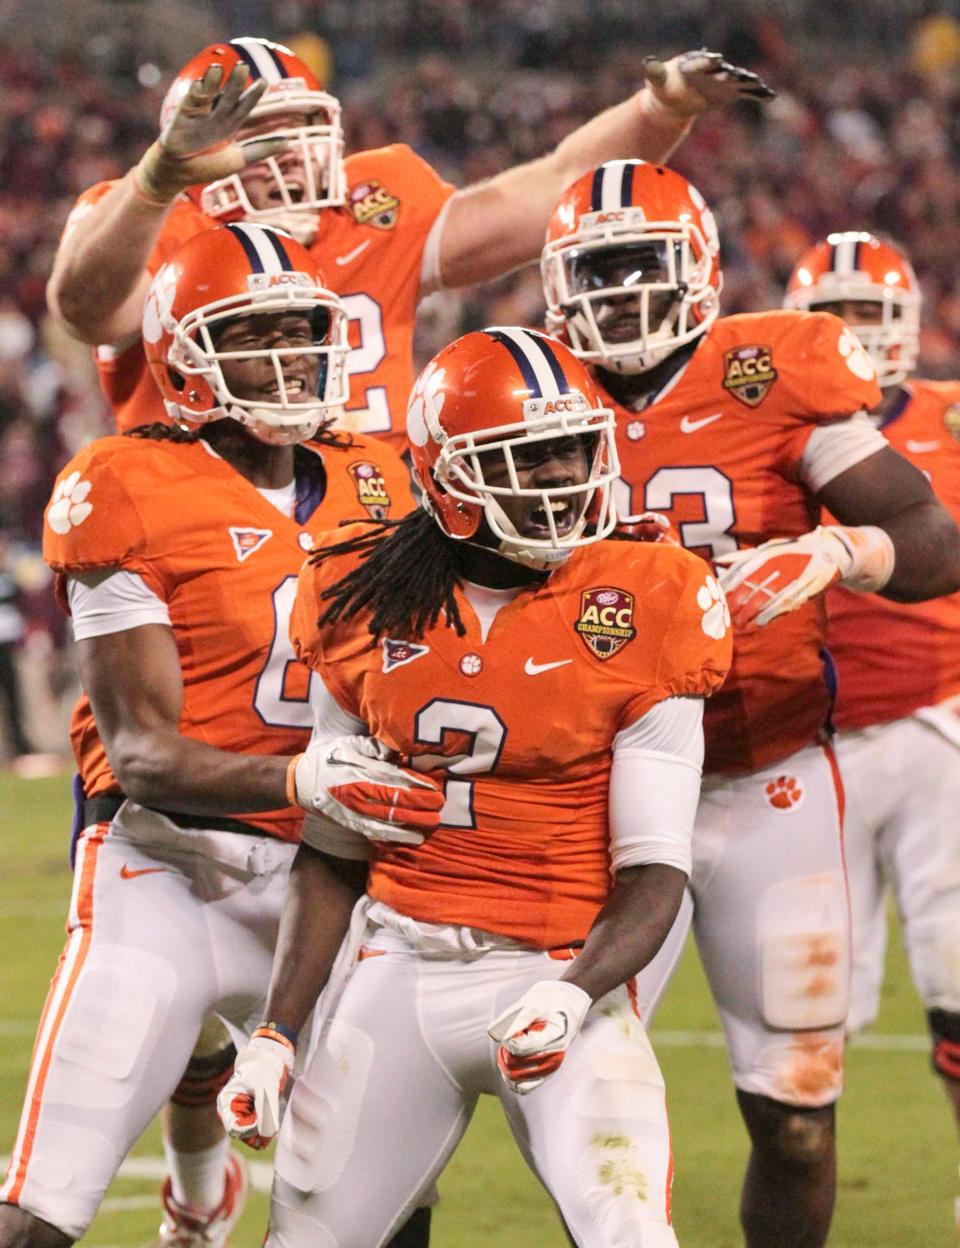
[(499, 224), (100, 280)]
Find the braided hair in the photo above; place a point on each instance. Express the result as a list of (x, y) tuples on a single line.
[(407, 578)]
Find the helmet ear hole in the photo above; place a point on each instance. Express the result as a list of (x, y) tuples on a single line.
[(176, 379)]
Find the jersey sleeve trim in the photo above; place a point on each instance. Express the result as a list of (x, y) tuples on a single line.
[(112, 602)]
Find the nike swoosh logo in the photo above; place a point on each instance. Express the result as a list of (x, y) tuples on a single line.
[(918, 448), (534, 669), (352, 255), (691, 426), (127, 874)]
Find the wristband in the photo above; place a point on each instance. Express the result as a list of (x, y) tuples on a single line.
[(871, 556), (142, 195), (291, 780), (276, 1031)]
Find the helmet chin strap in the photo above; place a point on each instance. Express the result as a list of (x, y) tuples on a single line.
[(283, 435), (511, 541), (301, 225)]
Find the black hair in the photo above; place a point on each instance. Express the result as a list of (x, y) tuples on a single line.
[(406, 579)]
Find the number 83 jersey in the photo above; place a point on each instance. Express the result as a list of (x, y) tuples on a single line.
[(733, 450), (224, 561), (520, 726)]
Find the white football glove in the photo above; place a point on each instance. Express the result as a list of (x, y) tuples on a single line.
[(536, 1031), (199, 143), (354, 782), (694, 82), (783, 574), (249, 1103), (648, 526)]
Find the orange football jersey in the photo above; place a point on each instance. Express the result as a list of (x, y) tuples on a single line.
[(718, 452), (894, 657), (225, 561), (370, 253), (527, 719)]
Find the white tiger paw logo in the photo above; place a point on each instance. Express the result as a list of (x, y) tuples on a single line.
[(857, 359), (69, 506), (716, 613)]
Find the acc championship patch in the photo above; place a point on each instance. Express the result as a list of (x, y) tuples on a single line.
[(606, 620), (371, 488), (749, 373), (373, 204), (951, 420)]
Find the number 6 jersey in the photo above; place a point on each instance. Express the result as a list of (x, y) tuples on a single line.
[(520, 726), (224, 560)]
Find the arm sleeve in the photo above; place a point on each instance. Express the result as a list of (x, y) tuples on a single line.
[(832, 449), (655, 786), (330, 721), (112, 602)]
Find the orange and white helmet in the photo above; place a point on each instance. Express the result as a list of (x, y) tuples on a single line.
[(640, 236), (496, 391), (855, 267), (236, 271), (306, 115)]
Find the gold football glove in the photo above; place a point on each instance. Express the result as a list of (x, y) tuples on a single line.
[(695, 82)]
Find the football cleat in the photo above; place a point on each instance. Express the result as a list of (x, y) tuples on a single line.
[(182, 1228)]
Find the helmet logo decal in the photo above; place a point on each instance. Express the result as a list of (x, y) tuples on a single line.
[(605, 623), (371, 489), (372, 204), (749, 373), (423, 414), (158, 310)]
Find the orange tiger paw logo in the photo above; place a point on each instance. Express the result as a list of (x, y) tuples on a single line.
[(784, 793)]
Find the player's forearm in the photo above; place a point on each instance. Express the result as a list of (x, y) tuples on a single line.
[(99, 278), (630, 928), (498, 225), (927, 545), (315, 919), (173, 772)]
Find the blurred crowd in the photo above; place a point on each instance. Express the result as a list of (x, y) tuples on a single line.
[(855, 139)]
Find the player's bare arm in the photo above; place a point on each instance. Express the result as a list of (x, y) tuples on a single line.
[(887, 491), (499, 224), (629, 929), (100, 281), (320, 897), (135, 685)]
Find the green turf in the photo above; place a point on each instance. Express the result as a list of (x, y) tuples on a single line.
[(898, 1148)]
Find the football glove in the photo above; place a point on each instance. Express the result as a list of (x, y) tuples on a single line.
[(648, 526), (249, 1103), (783, 574), (199, 142), (694, 82), (355, 782), (536, 1031)]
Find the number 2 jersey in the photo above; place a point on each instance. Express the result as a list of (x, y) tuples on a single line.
[(894, 657), (225, 561), (733, 449), (370, 253), (521, 726)]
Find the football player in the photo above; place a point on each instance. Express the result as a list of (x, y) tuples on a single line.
[(898, 667), (740, 428), (247, 133), (178, 552), (498, 940)]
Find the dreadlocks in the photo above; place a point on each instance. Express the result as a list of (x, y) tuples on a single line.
[(157, 431), (407, 577)]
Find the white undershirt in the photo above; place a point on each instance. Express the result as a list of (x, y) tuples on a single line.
[(113, 600), (832, 449), (487, 602)]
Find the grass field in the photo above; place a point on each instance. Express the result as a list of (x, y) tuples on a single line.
[(898, 1149)]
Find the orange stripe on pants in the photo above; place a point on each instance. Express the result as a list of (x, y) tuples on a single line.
[(42, 1055)]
